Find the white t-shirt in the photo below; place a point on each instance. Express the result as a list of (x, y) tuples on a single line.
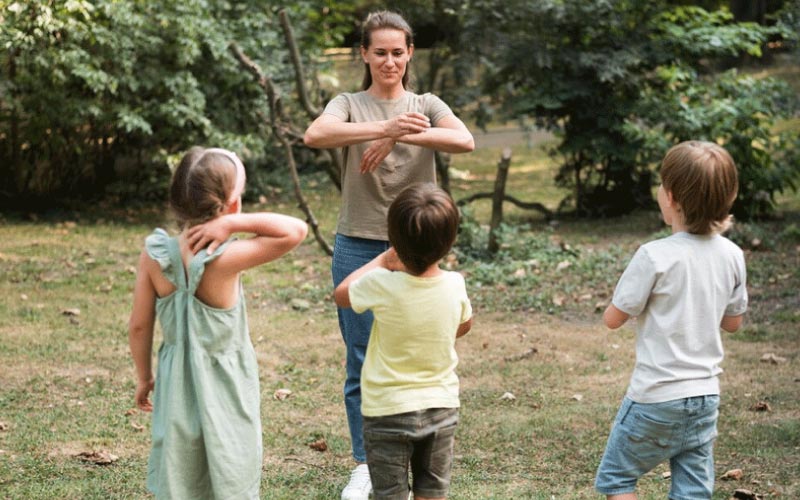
[(411, 357), (366, 197), (680, 287)]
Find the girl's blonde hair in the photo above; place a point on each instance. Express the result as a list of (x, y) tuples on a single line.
[(202, 185), (384, 19), (703, 180)]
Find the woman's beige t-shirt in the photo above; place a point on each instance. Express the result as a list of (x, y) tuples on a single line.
[(366, 197)]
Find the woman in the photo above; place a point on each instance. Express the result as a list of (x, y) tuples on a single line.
[(389, 136)]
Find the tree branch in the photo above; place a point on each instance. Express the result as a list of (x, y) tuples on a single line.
[(278, 122), (299, 76)]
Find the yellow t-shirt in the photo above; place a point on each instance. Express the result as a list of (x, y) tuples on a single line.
[(411, 358)]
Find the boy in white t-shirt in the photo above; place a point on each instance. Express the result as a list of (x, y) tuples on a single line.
[(409, 388), (683, 288)]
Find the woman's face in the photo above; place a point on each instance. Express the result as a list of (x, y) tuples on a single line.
[(387, 56)]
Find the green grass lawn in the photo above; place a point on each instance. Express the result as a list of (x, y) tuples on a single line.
[(68, 381)]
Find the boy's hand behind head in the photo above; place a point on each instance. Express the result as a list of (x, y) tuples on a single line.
[(391, 261)]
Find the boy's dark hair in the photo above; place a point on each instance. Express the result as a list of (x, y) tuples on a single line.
[(384, 19), (703, 180), (423, 223), (201, 186)]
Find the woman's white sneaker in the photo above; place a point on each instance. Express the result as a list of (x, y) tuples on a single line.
[(360, 485)]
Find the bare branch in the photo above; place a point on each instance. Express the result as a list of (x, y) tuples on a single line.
[(281, 127), (299, 76)]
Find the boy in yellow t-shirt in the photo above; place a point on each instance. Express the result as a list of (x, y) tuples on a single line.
[(409, 387)]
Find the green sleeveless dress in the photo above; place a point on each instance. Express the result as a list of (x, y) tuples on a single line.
[(206, 402)]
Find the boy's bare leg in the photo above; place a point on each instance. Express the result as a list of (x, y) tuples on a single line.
[(624, 496)]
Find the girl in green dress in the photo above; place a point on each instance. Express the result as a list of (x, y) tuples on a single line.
[(206, 426)]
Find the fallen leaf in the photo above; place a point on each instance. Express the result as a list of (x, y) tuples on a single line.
[(771, 358), (3, 426), (563, 265), (319, 445), (577, 397), (282, 394), (761, 406), (485, 345), (599, 306), (666, 475), (137, 427), (130, 412), (558, 300), (97, 457), (507, 396), (519, 273), (527, 354), (73, 311), (742, 494), (732, 475), (300, 304)]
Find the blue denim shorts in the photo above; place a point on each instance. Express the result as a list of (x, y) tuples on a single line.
[(422, 439), (644, 435)]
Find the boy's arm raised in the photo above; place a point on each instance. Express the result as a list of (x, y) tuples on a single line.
[(387, 260)]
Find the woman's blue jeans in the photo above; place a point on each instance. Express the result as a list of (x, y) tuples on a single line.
[(350, 254)]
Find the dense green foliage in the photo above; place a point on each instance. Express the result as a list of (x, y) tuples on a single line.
[(104, 90), (637, 78), (97, 97)]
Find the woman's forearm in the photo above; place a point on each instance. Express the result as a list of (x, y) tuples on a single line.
[(336, 134), (446, 140)]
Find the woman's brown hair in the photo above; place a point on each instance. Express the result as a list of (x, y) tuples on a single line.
[(201, 186), (384, 19), (703, 180), (423, 223)]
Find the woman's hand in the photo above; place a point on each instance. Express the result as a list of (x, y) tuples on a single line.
[(212, 233), (143, 390), (406, 123), (375, 154)]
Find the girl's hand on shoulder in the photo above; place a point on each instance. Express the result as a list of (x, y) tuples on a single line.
[(375, 154), (143, 390), (406, 123), (212, 234)]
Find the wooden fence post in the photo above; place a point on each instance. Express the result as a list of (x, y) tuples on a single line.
[(497, 199)]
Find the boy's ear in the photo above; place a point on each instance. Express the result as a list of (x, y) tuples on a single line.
[(670, 199)]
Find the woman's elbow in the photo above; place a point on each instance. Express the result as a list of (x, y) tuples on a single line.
[(469, 144), (465, 145), (300, 232), (311, 139)]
